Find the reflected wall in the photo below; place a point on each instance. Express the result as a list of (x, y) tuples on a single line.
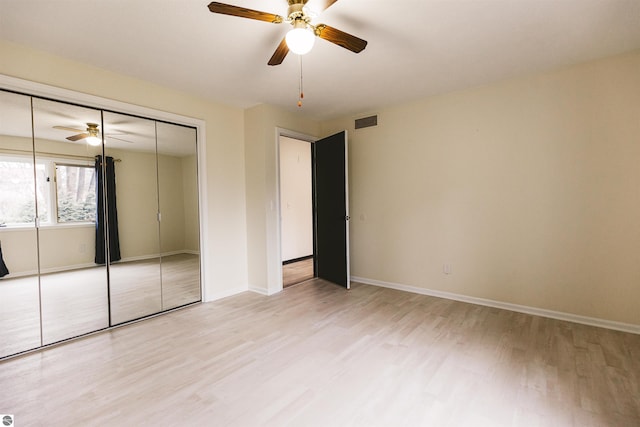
[(72, 268), (179, 225), (135, 276)]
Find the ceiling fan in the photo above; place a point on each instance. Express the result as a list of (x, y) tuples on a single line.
[(301, 38), (90, 134)]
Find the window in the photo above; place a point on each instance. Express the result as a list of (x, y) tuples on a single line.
[(69, 198), (17, 204), (76, 193)]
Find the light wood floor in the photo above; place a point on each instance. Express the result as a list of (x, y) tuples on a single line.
[(297, 272), (319, 355), (76, 302)]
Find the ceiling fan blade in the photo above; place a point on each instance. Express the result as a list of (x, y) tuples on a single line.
[(78, 137), (68, 129), (227, 9), (280, 53), (347, 41)]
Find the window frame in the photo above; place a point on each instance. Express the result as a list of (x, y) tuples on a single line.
[(55, 217), (50, 219)]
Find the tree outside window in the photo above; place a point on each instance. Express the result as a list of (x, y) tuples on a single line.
[(76, 193)]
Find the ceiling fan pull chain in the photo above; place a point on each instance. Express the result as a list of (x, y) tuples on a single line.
[(300, 84)]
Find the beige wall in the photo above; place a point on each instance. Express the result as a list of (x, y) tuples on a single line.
[(528, 189), (20, 250), (171, 197), (261, 178), (189, 169), (73, 246), (226, 261)]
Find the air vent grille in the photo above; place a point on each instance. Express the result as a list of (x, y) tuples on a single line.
[(366, 122)]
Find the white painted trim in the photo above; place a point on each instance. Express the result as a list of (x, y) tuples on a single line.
[(346, 203), (568, 317), (69, 268), (226, 293), (43, 90), (263, 291), (153, 256), (259, 290), (281, 132), (203, 209)]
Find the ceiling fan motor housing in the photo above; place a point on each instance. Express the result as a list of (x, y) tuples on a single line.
[(295, 12)]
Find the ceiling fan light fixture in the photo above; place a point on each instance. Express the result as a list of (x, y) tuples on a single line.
[(93, 140), (301, 38)]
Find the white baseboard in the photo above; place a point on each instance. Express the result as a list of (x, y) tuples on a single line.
[(258, 290), (224, 294), (67, 268), (91, 265), (592, 321), (263, 291), (153, 256)]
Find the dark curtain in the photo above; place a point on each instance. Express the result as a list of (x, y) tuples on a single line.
[(3, 267), (111, 224)]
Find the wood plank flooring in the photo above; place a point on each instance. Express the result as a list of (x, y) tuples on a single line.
[(319, 355)]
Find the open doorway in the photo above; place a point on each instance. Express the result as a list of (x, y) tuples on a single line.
[(296, 210)]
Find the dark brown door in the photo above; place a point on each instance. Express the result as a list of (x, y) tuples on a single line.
[(331, 209)]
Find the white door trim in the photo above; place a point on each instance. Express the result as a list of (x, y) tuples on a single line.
[(280, 132)]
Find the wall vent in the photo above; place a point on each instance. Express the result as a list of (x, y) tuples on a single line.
[(366, 122)]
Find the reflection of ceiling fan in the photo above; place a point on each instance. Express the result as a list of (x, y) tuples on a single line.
[(90, 134), (301, 38)]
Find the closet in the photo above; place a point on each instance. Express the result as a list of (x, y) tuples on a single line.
[(99, 220)]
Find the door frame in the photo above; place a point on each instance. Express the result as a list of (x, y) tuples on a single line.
[(278, 232), (280, 132)]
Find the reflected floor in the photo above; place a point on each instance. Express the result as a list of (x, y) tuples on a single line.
[(297, 272), (75, 302), (136, 290)]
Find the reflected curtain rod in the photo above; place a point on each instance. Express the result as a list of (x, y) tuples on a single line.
[(44, 153)]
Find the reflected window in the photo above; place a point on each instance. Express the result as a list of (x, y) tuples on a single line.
[(70, 197), (17, 205), (76, 193)]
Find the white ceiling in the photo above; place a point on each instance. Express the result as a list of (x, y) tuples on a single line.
[(416, 48)]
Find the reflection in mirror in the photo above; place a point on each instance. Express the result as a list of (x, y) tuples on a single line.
[(19, 288), (73, 287), (178, 194), (99, 221), (135, 277)]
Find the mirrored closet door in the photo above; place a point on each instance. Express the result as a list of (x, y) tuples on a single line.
[(73, 286), (98, 220), (19, 286), (131, 203), (179, 225)]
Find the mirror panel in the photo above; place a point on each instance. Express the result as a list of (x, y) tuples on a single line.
[(135, 277), (73, 286), (79, 250), (19, 285), (179, 228)]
